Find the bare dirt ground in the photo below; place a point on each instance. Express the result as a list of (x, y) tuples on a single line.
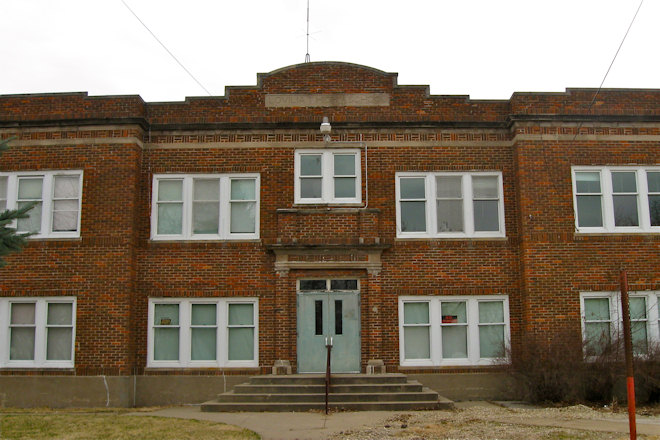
[(496, 422)]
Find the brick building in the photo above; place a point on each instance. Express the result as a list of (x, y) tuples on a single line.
[(182, 246)]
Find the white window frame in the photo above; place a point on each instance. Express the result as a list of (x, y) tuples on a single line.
[(435, 322), (430, 197), (185, 333), (47, 199), (224, 227), (41, 332), (328, 177), (607, 200), (616, 313)]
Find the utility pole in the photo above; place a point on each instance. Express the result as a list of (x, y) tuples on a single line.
[(627, 340)]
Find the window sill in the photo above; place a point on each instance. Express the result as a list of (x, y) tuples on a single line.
[(617, 233), (205, 240), (494, 238)]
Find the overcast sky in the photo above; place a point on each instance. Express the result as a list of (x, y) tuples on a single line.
[(483, 48)]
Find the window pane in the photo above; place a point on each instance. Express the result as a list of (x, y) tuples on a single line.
[(486, 216), (413, 216), (166, 314), (597, 309), (313, 285), (243, 216), (653, 178), (241, 314), (412, 188), (344, 164), (639, 337), (448, 187), (206, 217), (590, 213), (318, 317), (310, 165), (343, 284), (170, 218), (416, 341), (166, 344), (206, 189), (491, 311), (654, 210), (453, 312), (66, 187), (450, 215), (3, 193), (65, 215), (22, 313), (597, 336), (587, 182), (624, 182), (204, 314), (310, 188), (339, 317), (625, 210), (241, 344), (243, 189), (637, 307), (21, 346), (485, 187), (416, 313), (345, 187), (170, 190), (29, 188), (491, 341), (59, 314), (33, 222), (454, 341), (203, 344), (58, 345)]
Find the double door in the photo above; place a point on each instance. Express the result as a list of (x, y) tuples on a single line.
[(328, 317)]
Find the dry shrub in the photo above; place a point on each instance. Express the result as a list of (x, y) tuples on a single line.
[(557, 371)]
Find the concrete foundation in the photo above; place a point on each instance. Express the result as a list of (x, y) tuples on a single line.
[(137, 391)]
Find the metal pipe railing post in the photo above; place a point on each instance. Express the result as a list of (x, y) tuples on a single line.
[(328, 347)]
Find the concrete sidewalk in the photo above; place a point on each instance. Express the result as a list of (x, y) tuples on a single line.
[(318, 426)]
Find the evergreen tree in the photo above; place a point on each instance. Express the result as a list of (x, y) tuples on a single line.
[(10, 241)]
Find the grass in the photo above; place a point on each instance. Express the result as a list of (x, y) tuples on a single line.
[(51, 425)]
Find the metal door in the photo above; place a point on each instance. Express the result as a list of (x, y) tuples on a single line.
[(324, 315)]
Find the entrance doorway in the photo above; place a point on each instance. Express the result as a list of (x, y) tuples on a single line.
[(328, 309)]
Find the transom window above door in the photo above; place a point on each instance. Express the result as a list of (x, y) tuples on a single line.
[(328, 176), (327, 285)]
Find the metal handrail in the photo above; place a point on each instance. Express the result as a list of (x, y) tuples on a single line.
[(328, 346)]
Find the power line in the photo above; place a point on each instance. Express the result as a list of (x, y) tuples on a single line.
[(610, 67), (165, 47)]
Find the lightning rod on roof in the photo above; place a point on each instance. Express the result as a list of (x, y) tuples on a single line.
[(307, 54)]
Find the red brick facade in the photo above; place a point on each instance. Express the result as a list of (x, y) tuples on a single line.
[(121, 142)]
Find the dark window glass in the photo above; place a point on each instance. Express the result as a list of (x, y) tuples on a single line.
[(343, 284), (318, 306), (312, 285), (339, 324)]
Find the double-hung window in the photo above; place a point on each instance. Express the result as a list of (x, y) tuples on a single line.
[(453, 330), (616, 199), (602, 323), (203, 332), (37, 332), (327, 176), (450, 205), (205, 207), (56, 199)]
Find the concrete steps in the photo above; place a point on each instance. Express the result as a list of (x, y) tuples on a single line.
[(305, 392)]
